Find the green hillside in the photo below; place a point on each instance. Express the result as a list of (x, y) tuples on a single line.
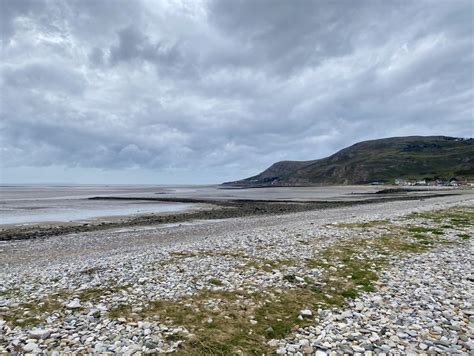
[(383, 160)]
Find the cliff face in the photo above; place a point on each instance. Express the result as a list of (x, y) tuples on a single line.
[(384, 160)]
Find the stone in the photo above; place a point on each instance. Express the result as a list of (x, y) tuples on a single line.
[(306, 313), (304, 342), (30, 347), (357, 348), (273, 343), (75, 304), (39, 333)]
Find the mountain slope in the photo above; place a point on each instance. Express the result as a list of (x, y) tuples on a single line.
[(383, 160)]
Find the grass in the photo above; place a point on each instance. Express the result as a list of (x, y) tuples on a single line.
[(421, 229), (33, 313), (185, 254), (366, 224), (94, 294), (290, 278), (9, 293), (216, 282), (268, 265), (120, 311), (464, 236), (219, 321), (456, 217)]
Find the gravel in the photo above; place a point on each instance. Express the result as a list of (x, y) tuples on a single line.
[(422, 303)]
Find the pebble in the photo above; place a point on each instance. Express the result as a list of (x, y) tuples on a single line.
[(30, 347), (306, 313), (39, 333), (75, 304)]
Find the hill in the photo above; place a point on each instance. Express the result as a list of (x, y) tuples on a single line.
[(383, 160)]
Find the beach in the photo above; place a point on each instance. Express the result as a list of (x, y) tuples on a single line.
[(381, 277)]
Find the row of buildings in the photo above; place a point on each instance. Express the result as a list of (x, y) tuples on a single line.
[(453, 182)]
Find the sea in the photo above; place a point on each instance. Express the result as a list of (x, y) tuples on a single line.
[(30, 204)]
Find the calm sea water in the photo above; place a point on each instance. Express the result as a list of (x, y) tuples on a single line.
[(41, 203), (33, 204)]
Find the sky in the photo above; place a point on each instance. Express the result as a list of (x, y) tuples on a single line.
[(181, 92)]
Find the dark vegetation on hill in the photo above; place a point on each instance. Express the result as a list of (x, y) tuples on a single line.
[(383, 160)]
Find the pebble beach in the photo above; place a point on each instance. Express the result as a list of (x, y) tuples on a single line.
[(383, 278)]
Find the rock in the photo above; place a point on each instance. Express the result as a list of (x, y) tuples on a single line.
[(30, 347), (100, 348), (306, 313), (273, 343), (304, 342), (269, 330), (347, 349), (151, 344), (75, 304), (131, 349), (39, 333), (357, 348)]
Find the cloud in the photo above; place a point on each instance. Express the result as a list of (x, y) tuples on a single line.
[(221, 89), (15, 11)]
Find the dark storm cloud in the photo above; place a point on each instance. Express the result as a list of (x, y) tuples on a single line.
[(134, 45), (226, 87)]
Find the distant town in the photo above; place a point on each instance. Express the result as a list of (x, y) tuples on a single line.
[(453, 182)]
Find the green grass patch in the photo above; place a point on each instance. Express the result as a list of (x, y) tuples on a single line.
[(35, 312), (216, 282), (365, 225), (9, 293), (121, 310), (464, 236), (456, 217), (420, 229), (350, 293), (268, 265)]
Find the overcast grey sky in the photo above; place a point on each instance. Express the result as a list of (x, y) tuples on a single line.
[(103, 91)]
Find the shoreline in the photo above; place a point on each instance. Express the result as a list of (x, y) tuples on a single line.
[(205, 209)]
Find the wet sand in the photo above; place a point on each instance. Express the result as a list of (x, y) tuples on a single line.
[(209, 203)]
